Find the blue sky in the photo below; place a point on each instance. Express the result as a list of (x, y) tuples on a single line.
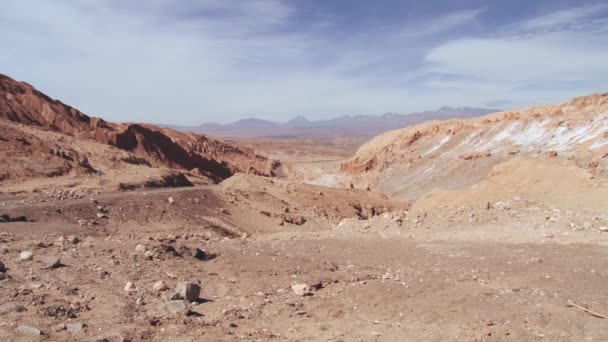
[(189, 61)]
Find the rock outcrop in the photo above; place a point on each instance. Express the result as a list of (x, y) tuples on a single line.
[(23, 104), (456, 153)]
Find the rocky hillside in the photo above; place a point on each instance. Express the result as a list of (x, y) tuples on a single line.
[(410, 162), (23, 104)]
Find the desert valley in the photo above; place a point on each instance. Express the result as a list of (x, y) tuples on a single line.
[(486, 228)]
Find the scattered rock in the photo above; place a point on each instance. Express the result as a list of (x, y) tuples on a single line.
[(301, 289), (11, 307), (177, 307), (29, 330), (129, 287), (160, 286), (603, 229), (104, 274), (171, 200), (7, 218), (187, 291), (75, 328), (73, 239), (140, 248), (101, 215), (52, 262), (26, 256), (200, 254), (149, 255)]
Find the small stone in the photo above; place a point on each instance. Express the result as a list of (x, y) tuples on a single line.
[(101, 215), (11, 307), (188, 291), (301, 289), (129, 287), (73, 239), (140, 248), (52, 262), (26, 256), (160, 286), (171, 200), (2, 267), (149, 255), (177, 306), (29, 330), (104, 274), (603, 229), (75, 328)]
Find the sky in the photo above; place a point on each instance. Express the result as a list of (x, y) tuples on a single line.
[(192, 61)]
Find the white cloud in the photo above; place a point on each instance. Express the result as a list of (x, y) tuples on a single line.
[(191, 61), (534, 59), (564, 19)]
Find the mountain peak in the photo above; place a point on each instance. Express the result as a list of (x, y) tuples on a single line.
[(299, 120)]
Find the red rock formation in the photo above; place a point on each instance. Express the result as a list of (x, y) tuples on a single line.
[(21, 103)]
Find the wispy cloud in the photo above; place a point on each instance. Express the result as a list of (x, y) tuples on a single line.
[(530, 58)]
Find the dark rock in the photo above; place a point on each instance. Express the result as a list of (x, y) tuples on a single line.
[(188, 291)]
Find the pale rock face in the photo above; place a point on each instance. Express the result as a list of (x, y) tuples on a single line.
[(410, 162)]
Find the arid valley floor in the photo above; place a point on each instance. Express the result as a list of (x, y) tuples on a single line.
[(503, 242)]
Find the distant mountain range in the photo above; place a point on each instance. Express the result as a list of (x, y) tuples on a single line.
[(352, 125)]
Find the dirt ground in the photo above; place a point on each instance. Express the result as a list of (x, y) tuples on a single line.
[(511, 269)]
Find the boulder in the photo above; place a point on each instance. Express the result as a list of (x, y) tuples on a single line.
[(26, 256), (160, 286), (177, 307), (189, 292), (7, 308), (301, 289), (75, 328), (29, 330), (73, 239), (51, 262)]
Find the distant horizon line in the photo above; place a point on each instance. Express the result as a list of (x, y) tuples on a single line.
[(301, 116)]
